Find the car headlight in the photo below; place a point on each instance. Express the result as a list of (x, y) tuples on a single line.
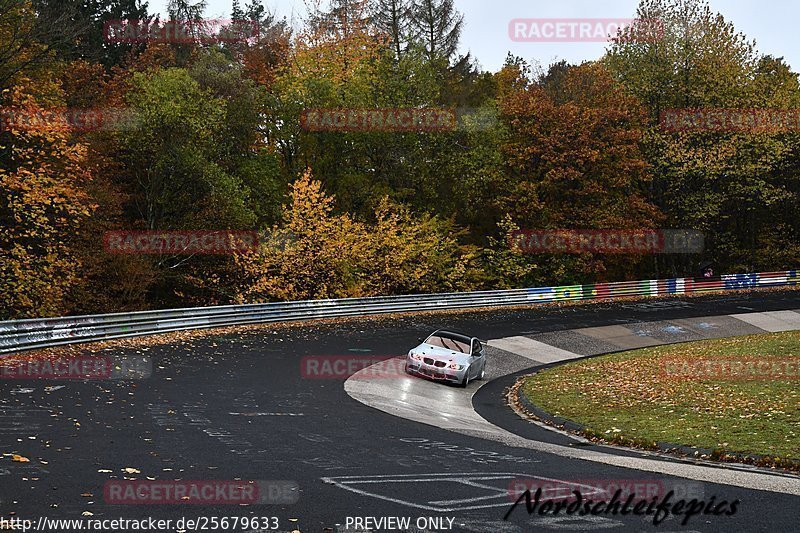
[(455, 366), (415, 357)]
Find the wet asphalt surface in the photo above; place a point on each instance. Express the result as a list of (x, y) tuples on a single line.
[(239, 407)]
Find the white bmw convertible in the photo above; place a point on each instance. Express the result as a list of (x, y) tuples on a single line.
[(448, 356)]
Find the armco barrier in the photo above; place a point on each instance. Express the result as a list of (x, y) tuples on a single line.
[(21, 335)]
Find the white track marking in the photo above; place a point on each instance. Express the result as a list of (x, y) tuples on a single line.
[(533, 350)]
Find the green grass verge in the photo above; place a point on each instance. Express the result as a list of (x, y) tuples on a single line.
[(631, 397)]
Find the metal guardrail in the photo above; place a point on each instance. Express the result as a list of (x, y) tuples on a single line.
[(21, 335)]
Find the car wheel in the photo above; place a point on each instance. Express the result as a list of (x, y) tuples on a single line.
[(408, 370), (465, 381)]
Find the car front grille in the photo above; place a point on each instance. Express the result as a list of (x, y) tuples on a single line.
[(433, 362)]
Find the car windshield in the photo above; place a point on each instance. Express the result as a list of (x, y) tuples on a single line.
[(444, 341)]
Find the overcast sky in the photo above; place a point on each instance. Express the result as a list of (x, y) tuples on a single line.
[(772, 23)]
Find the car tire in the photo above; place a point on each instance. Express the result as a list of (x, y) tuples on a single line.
[(408, 370), (464, 382)]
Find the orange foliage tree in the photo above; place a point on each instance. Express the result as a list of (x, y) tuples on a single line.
[(573, 159), (43, 207)]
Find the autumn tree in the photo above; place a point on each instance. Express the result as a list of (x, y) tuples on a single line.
[(265, 55), (333, 256), (689, 57), (29, 35), (358, 71), (573, 159), (317, 263), (734, 186), (412, 254), (338, 18), (43, 208)]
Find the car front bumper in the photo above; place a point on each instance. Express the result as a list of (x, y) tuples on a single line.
[(420, 368)]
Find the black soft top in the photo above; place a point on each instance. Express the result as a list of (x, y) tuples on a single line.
[(461, 337)]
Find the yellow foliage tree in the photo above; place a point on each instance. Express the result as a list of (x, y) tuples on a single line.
[(43, 206), (315, 262), (416, 255), (333, 256)]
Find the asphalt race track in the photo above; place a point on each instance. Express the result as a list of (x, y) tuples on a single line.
[(240, 407)]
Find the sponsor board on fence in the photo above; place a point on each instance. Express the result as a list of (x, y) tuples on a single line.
[(181, 31), (607, 241), (200, 492), (584, 30)]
